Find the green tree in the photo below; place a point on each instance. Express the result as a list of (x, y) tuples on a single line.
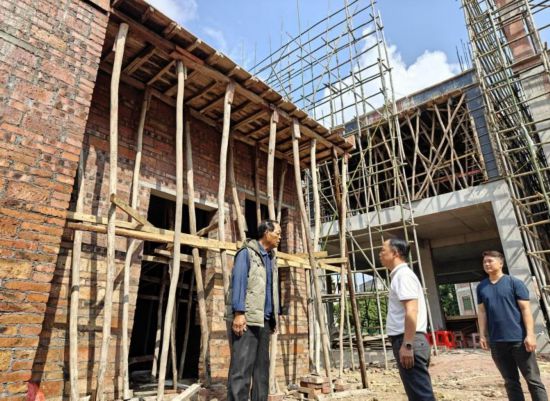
[(448, 298)]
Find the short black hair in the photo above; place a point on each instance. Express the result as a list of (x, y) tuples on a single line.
[(266, 225), (493, 254), (400, 246)]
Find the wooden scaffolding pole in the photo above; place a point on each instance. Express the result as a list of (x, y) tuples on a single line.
[(187, 326), (257, 183), (132, 246), (227, 101), (205, 336), (273, 387), (111, 236), (158, 334), (309, 245), (181, 72), (281, 191), (75, 287), (315, 336), (350, 281), (234, 192), (341, 203)]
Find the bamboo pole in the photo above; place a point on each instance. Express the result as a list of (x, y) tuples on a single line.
[(350, 281), (187, 324), (309, 245), (154, 369), (75, 287), (132, 246), (111, 236), (205, 336), (228, 100), (273, 386), (234, 192), (341, 205), (181, 72)]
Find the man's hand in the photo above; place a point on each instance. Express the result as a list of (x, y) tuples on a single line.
[(483, 342), (530, 343), (406, 357), (239, 324)]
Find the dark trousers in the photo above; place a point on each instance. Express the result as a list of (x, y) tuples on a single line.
[(249, 361), (417, 381), (511, 356)]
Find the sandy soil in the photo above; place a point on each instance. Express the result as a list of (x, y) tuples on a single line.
[(465, 375)]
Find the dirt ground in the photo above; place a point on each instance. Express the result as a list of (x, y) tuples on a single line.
[(465, 375)]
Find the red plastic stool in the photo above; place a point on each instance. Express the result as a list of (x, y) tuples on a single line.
[(445, 338)]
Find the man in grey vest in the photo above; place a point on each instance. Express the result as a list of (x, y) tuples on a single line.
[(251, 303)]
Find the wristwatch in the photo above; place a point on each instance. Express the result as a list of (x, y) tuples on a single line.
[(408, 345)]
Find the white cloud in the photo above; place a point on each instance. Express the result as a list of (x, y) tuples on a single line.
[(181, 11), (218, 36), (428, 69)]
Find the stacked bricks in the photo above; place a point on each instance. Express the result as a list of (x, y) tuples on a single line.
[(49, 54)]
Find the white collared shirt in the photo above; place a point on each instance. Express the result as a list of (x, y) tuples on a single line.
[(404, 286)]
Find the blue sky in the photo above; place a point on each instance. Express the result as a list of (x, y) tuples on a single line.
[(423, 34)]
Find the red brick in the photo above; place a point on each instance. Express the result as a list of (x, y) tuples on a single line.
[(26, 192), (28, 286), (15, 376)]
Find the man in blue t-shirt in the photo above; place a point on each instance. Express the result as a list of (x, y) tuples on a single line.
[(504, 310)]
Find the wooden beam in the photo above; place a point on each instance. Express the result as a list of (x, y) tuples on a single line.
[(142, 57), (234, 192), (132, 246), (212, 105), (205, 332), (111, 236), (313, 263), (163, 71), (129, 210), (228, 100), (168, 319), (192, 61), (249, 119), (201, 92)]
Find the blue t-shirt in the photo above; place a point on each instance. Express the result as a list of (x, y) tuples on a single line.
[(501, 305)]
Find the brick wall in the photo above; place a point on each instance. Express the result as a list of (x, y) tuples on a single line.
[(49, 50), (158, 171)]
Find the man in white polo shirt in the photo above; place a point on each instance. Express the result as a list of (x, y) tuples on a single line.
[(406, 321)]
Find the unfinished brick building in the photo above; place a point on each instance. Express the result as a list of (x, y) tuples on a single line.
[(62, 113)]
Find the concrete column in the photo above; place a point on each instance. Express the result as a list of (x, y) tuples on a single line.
[(516, 259), (431, 285)]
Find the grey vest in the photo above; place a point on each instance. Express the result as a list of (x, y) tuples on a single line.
[(255, 290)]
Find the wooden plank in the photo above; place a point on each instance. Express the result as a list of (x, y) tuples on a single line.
[(129, 210), (158, 333), (188, 393), (333, 260)]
